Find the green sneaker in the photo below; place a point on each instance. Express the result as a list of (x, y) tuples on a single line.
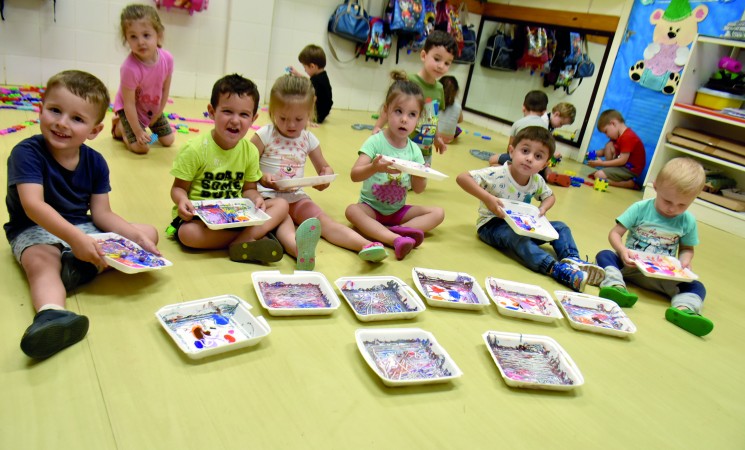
[(620, 295), (690, 321)]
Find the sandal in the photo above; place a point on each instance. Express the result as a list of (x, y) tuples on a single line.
[(373, 252), (362, 126), (621, 296), (690, 321), (306, 238), (265, 250)]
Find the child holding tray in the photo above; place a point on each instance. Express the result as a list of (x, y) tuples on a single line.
[(662, 225), (382, 212), (518, 180), (223, 165), (54, 179), (284, 146)]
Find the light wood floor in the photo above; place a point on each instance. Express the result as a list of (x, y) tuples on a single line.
[(127, 385)]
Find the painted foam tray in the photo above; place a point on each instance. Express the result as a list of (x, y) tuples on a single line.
[(229, 213), (661, 266), (301, 293), (523, 218), (532, 361), (304, 182), (126, 256), (213, 325), (406, 356), (416, 169), (526, 301), (380, 298), (449, 289), (598, 315)]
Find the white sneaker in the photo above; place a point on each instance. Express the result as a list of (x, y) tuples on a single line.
[(595, 273)]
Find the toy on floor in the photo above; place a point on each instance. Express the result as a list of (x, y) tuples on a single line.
[(590, 156), (601, 184), (577, 181), (559, 179), (554, 161), (362, 126)]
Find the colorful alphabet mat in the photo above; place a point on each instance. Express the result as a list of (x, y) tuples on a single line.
[(661, 266), (126, 256), (229, 213)]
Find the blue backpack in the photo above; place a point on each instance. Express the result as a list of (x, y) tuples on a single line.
[(406, 16), (350, 21)]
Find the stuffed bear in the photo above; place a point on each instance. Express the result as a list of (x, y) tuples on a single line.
[(674, 30)]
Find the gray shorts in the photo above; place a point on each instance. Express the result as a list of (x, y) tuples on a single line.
[(37, 235), (618, 173)]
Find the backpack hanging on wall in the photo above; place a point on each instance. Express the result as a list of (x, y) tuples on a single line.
[(350, 21), (447, 19), (378, 45), (535, 55), (470, 45), (406, 16), (500, 51), (189, 5)]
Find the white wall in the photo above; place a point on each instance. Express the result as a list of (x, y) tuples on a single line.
[(257, 38)]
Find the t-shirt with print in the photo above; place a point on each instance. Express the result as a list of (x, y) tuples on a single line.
[(651, 232), (629, 142), (67, 191), (285, 158), (385, 192), (528, 121), (147, 82), (426, 128), (216, 173), (498, 181)]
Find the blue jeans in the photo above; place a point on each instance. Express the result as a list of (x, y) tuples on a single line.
[(616, 272), (499, 235)]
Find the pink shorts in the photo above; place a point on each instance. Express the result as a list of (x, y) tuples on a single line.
[(392, 219)]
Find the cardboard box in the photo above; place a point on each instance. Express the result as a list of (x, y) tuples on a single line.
[(708, 139), (729, 203), (706, 149)]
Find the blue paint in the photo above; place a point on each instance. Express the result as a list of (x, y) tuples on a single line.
[(199, 344), (220, 319), (454, 294)]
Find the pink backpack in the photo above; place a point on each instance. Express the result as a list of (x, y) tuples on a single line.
[(189, 5)]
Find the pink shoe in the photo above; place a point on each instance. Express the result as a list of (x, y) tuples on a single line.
[(402, 246), (414, 233)]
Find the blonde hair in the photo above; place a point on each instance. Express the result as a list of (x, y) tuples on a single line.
[(608, 115), (132, 13), (684, 174), (403, 86), (83, 85), (566, 110), (291, 89)]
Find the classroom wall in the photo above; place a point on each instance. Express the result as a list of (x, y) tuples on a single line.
[(257, 38)]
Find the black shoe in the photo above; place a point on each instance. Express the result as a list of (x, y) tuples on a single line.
[(53, 330), (75, 272)]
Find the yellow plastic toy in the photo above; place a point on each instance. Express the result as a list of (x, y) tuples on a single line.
[(601, 184)]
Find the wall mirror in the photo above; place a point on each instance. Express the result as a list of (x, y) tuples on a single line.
[(499, 94)]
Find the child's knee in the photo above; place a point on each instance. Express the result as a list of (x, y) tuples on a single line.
[(140, 149), (167, 140)]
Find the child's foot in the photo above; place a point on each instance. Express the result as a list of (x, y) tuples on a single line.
[(265, 250), (414, 233), (373, 252), (53, 330), (689, 320), (569, 275), (595, 273), (76, 272), (620, 295), (402, 245), (306, 239)]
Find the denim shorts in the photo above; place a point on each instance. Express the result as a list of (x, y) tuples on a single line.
[(37, 235)]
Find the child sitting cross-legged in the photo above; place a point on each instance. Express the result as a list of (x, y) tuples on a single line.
[(223, 165), (519, 180), (662, 225)]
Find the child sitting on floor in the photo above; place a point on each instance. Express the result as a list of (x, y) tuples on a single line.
[(519, 180), (382, 212)]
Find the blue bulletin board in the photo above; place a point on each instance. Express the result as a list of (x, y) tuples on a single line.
[(644, 104)]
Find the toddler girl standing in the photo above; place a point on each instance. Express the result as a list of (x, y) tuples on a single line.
[(382, 213), (284, 146), (145, 79)]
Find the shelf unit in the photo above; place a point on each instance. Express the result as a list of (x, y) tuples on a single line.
[(704, 57)]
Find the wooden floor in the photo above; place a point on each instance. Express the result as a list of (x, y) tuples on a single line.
[(305, 385)]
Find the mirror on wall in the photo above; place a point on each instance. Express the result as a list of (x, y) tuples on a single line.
[(497, 92)]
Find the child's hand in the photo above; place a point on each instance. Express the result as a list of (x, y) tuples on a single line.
[(383, 165), (375, 130), (85, 248), (595, 163), (147, 245), (186, 209), (440, 144), (627, 258), (325, 171), (143, 138), (268, 181), (495, 205), (293, 71)]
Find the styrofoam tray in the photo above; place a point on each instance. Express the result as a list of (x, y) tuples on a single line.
[(126, 256), (301, 293), (449, 289), (526, 301), (406, 356), (304, 182), (598, 315), (532, 361), (229, 213), (416, 169), (213, 325), (524, 220), (379, 298), (661, 266)]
